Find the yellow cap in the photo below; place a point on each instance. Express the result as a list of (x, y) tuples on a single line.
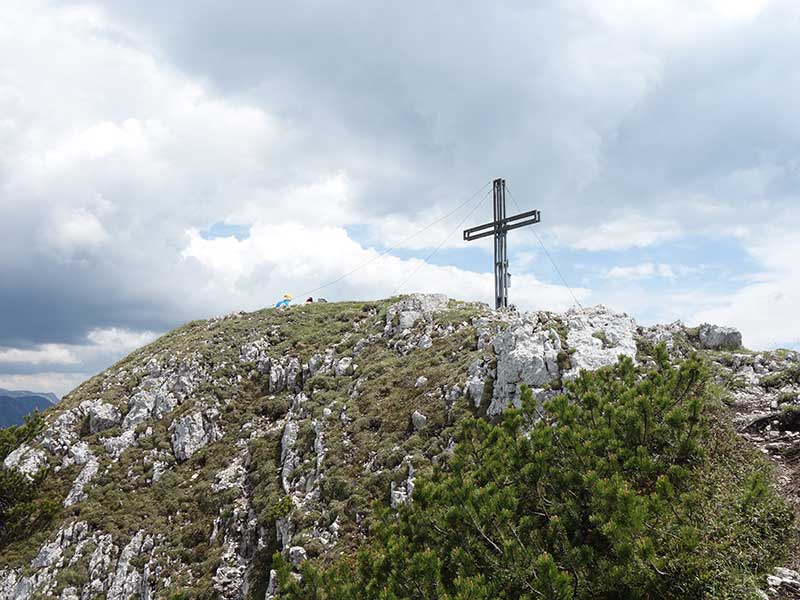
[(287, 296)]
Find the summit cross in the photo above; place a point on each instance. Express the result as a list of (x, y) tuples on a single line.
[(498, 228)]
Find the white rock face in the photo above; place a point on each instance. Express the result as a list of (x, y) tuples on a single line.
[(297, 555), (115, 446), (289, 458), (344, 367), (161, 391), (192, 432), (658, 334), (412, 309), (401, 494), (233, 476), (525, 355), (77, 494), (418, 420), (272, 587), (27, 460), (714, 337), (101, 415), (598, 337), (127, 580), (79, 454)]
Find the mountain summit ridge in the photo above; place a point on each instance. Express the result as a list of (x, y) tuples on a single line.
[(185, 466)]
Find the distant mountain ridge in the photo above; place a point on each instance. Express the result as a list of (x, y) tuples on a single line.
[(15, 404)]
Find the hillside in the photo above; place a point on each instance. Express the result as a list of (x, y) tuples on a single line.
[(14, 405), (181, 470)]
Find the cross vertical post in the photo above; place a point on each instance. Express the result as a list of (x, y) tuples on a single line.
[(499, 228), (501, 276)]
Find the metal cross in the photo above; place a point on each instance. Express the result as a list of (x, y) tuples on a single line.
[(498, 228)]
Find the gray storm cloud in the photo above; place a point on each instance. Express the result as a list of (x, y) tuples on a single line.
[(128, 127)]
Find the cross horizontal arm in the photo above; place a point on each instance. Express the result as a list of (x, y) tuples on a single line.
[(487, 229)]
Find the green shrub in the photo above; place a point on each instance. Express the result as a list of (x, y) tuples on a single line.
[(22, 511), (613, 493), (781, 378)]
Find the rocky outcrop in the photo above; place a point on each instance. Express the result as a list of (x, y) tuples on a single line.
[(101, 416), (526, 355), (598, 337), (192, 432), (418, 420), (161, 390), (77, 493), (27, 460), (714, 337)]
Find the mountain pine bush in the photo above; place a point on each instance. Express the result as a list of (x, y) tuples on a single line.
[(21, 509), (630, 485)]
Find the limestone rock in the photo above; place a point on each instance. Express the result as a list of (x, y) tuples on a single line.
[(101, 415), (344, 367), (714, 337), (297, 555), (405, 314), (233, 476), (27, 460), (162, 390), (127, 580), (479, 373), (192, 432), (525, 355), (401, 494), (77, 494), (272, 587), (115, 446), (598, 337), (418, 420), (289, 459), (666, 334), (78, 454)]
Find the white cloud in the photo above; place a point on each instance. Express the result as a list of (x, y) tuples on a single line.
[(118, 341), (44, 354), (66, 365), (630, 231), (766, 310), (79, 230), (56, 383), (297, 258), (642, 271)]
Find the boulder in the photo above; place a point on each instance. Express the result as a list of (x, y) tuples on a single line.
[(77, 493), (344, 367), (597, 338), (525, 355), (297, 555), (27, 460), (418, 420), (102, 416), (192, 432), (714, 337), (405, 314)]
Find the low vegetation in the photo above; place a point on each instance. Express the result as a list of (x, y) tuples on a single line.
[(629, 485), (22, 508)]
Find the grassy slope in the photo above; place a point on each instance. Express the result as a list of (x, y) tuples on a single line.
[(181, 506)]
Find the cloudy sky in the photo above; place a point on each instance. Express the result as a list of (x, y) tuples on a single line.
[(164, 161)]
